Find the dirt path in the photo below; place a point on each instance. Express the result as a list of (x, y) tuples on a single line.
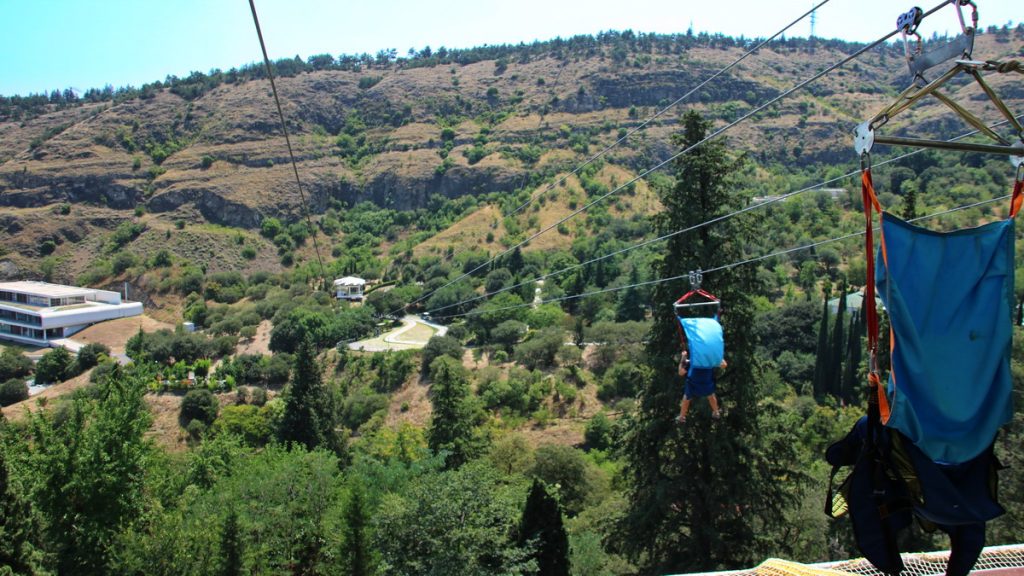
[(260, 343), (18, 411)]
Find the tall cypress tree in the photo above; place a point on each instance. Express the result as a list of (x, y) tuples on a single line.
[(542, 527), (821, 356), (630, 305), (853, 356), (701, 495), (835, 364)]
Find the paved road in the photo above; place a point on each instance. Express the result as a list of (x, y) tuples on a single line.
[(412, 335)]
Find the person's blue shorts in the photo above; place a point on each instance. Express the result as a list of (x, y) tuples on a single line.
[(700, 382)]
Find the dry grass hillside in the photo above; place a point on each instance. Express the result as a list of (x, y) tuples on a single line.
[(194, 172)]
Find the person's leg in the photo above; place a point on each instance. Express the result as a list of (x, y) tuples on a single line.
[(713, 401), (965, 545), (683, 409)]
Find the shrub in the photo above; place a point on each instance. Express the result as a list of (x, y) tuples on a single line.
[(13, 390), (439, 346), (598, 434), (541, 349), (47, 247), (199, 405), (90, 354), (161, 259), (56, 365), (249, 253), (207, 161), (14, 364)]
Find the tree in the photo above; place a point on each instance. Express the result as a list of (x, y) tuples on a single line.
[(356, 539), (230, 547), (18, 529), (455, 522), (542, 527), (452, 426), (439, 346), (308, 418), (14, 364), (701, 497), (89, 468), (199, 405), (630, 305), (835, 374), (821, 356), (13, 391), (55, 366), (89, 355)]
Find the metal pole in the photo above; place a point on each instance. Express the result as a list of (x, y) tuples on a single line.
[(959, 146)]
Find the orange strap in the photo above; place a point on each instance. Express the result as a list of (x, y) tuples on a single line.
[(871, 204), (1017, 198)]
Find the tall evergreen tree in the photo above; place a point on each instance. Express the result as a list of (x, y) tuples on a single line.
[(837, 347), (355, 545), (308, 419), (630, 305), (542, 528), (854, 349), (452, 426), (821, 356), (230, 546), (701, 496)]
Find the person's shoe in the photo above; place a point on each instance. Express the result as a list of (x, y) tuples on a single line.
[(716, 415), (680, 420)]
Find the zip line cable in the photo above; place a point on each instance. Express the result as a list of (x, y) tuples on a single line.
[(696, 226), (720, 268), (688, 149), (288, 141), (660, 112)]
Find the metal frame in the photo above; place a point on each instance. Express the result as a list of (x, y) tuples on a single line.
[(865, 136)]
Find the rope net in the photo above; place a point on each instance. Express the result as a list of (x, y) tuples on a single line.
[(1005, 559)]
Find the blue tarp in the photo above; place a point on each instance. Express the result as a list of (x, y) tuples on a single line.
[(950, 301), (704, 337)]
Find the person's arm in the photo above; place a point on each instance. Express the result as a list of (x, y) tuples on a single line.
[(684, 361)]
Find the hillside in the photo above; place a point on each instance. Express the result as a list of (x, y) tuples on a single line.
[(396, 134)]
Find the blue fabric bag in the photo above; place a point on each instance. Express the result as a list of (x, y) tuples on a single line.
[(705, 340), (950, 302)]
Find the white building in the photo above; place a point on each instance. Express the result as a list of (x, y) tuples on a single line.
[(37, 312), (349, 288)]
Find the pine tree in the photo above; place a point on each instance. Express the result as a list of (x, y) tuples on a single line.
[(542, 527), (308, 418), (230, 547), (452, 427), (701, 496)]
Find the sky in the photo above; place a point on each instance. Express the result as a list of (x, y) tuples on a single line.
[(81, 44)]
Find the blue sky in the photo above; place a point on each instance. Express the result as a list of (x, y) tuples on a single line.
[(48, 44)]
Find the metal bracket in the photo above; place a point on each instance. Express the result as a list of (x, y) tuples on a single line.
[(960, 47), (863, 138), (1018, 161), (696, 277)]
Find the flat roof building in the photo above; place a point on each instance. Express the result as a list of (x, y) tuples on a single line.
[(38, 312), (349, 288)]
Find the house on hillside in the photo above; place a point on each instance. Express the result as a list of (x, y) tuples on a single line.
[(36, 313), (349, 288)]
